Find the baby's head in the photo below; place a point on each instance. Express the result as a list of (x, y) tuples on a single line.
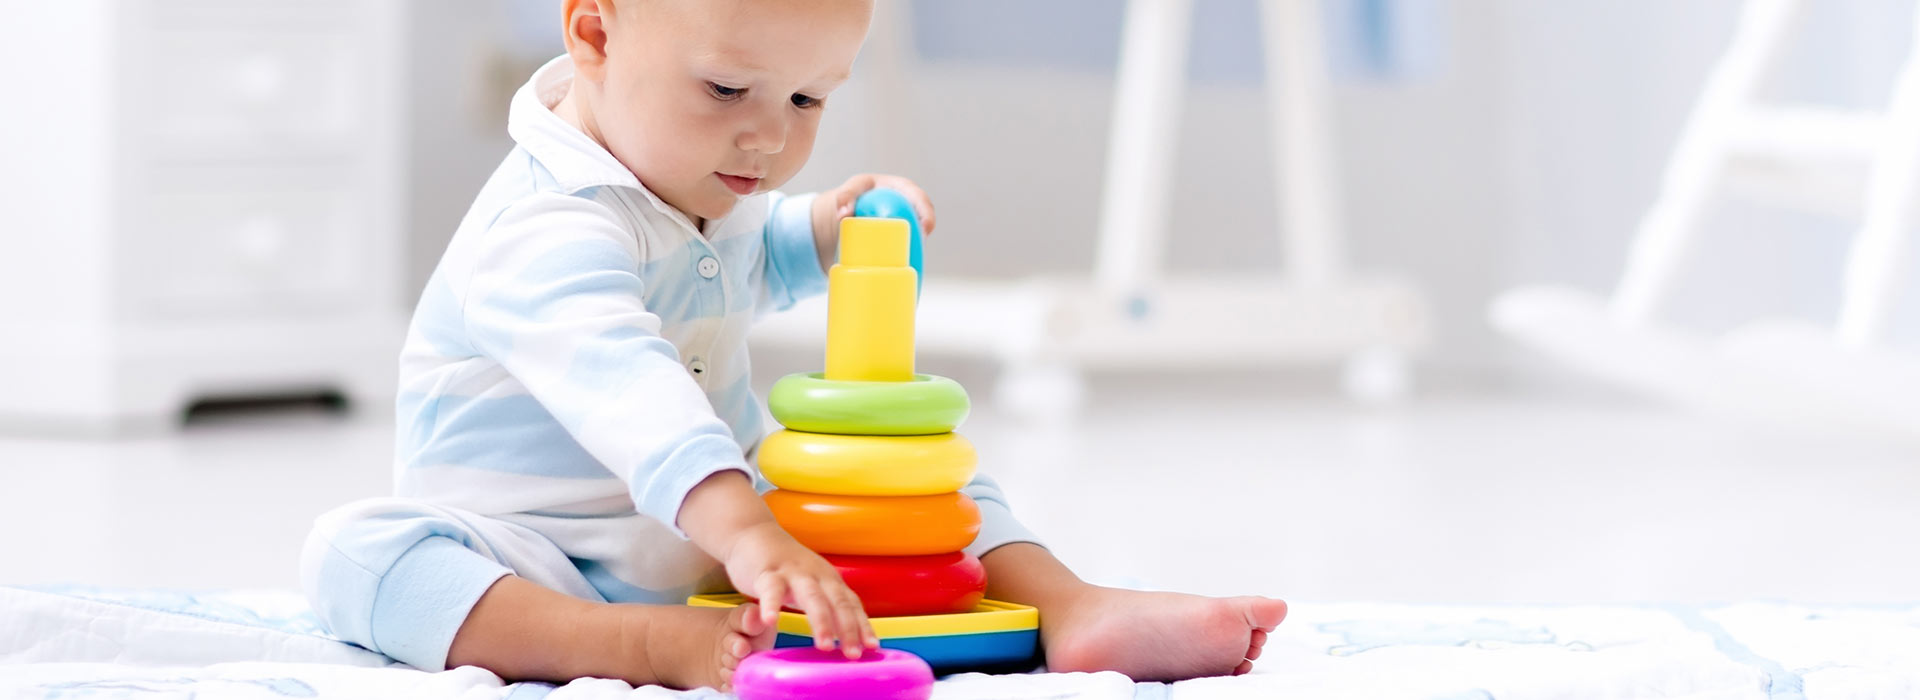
[(707, 101)]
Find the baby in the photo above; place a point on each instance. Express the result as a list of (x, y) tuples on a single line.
[(574, 414)]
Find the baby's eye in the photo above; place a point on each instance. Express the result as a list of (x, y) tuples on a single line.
[(804, 102), (724, 92)]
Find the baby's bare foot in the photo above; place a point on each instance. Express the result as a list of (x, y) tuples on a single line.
[(1158, 636), (688, 647)]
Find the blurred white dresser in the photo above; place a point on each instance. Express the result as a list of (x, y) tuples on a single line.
[(199, 199)]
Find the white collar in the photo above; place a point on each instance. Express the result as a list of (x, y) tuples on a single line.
[(575, 160)]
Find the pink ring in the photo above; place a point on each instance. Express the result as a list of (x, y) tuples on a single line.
[(806, 673)]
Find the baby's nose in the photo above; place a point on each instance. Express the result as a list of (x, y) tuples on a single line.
[(766, 136)]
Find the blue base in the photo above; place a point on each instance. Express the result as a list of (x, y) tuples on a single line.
[(955, 652)]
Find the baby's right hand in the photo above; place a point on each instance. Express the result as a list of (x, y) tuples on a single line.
[(768, 564)]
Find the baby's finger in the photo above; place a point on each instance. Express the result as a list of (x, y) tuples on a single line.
[(843, 202), (921, 203), (860, 183), (852, 640), (855, 631), (773, 595), (820, 613)]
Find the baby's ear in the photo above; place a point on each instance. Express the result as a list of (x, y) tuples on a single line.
[(586, 35)]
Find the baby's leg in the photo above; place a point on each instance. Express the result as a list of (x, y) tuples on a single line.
[(436, 587), (522, 631), (1145, 635)]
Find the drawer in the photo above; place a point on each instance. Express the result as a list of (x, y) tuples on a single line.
[(211, 80), (254, 95), (288, 251)]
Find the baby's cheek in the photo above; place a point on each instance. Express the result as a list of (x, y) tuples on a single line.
[(801, 146)]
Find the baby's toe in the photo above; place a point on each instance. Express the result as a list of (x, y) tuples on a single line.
[(751, 622), (1257, 642), (748, 623), (1264, 613)]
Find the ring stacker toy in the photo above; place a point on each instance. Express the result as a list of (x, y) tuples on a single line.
[(890, 204), (940, 584), (993, 635), (897, 526), (869, 469), (810, 674), (867, 465), (924, 405)]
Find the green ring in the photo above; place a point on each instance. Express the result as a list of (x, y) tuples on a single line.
[(809, 402)]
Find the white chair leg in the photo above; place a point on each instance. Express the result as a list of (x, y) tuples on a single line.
[(1700, 158), (1872, 272), (1148, 94), (1306, 181)]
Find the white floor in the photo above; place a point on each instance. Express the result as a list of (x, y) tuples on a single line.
[(1466, 499)]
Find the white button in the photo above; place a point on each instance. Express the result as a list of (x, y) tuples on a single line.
[(698, 366), (709, 267)]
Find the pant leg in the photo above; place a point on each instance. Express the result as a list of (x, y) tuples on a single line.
[(399, 576), (629, 558)]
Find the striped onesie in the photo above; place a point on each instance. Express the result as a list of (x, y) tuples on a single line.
[(576, 365)]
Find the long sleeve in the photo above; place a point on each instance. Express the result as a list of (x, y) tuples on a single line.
[(791, 269), (555, 297)]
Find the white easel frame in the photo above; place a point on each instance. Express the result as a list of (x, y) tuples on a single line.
[(1843, 376)]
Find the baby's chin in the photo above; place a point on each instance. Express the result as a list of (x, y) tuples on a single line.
[(705, 208)]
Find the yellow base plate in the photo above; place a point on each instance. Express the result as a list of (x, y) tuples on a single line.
[(988, 616)]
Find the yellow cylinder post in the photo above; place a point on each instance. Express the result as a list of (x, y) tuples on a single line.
[(870, 303)]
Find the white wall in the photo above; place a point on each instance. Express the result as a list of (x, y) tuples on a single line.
[(468, 58)]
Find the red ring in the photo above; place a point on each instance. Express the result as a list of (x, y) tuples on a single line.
[(934, 584)]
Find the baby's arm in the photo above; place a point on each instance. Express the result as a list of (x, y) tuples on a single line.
[(725, 516)]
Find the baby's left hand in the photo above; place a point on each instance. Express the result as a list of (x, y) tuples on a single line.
[(836, 204)]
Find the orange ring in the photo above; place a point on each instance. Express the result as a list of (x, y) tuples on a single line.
[(889, 526)]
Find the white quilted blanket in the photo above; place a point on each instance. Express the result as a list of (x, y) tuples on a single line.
[(88, 643)]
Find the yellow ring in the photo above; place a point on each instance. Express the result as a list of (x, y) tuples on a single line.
[(867, 465)]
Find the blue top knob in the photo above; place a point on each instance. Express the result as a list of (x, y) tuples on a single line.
[(890, 204)]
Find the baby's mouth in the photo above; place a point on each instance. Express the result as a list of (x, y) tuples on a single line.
[(739, 185)]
